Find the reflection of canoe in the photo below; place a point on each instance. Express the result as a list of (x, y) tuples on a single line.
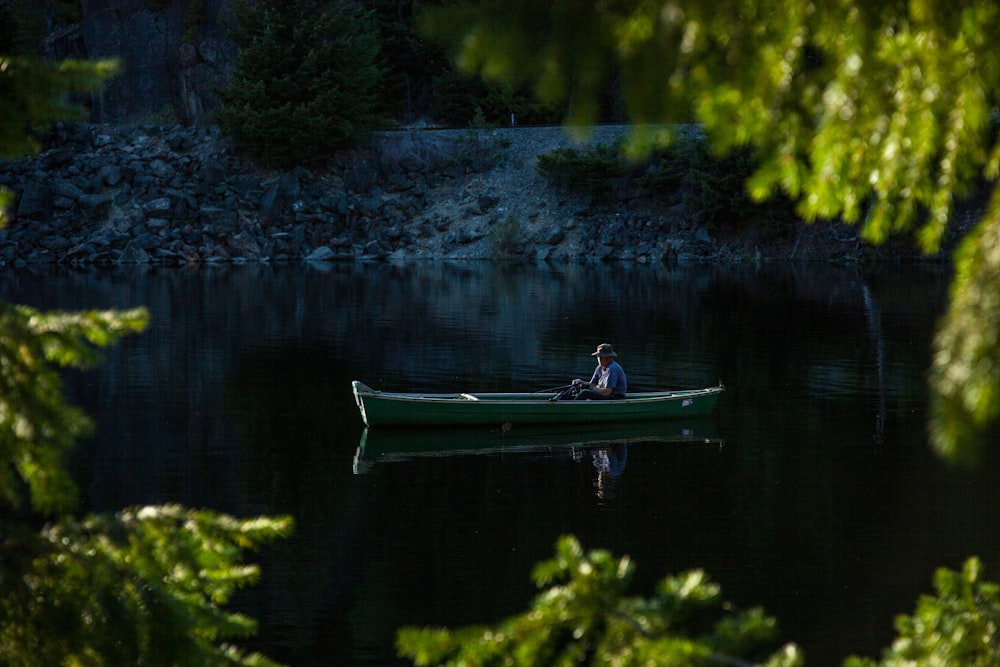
[(392, 445), (387, 408)]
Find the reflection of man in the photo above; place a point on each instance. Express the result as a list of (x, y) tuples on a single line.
[(610, 464), (608, 380)]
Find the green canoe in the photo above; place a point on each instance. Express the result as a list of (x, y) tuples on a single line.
[(382, 408)]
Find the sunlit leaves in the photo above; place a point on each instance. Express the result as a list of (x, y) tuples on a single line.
[(37, 427), (143, 586), (73, 338), (6, 198), (966, 370), (583, 615), (957, 626)]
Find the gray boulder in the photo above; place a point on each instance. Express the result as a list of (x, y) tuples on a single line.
[(321, 254), (35, 202)]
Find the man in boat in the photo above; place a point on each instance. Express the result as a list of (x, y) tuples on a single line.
[(608, 381)]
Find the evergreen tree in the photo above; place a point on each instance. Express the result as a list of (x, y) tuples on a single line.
[(408, 62), (24, 24), (304, 81)]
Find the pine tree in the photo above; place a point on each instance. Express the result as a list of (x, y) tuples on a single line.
[(304, 80)]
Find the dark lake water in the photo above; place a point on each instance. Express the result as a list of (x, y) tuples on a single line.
[(812, 491)]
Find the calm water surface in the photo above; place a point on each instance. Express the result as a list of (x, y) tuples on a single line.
[(811, 492)]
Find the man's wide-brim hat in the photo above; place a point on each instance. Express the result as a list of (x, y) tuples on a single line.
[(604, 350)]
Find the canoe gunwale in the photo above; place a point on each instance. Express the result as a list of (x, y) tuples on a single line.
[(524, 398), (523, 407)]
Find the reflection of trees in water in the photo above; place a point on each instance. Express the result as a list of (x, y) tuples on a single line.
[(873, 314), (841, 333), (422, 325)]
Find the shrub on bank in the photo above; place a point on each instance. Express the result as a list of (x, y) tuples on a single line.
[(469, 101), (710, 187)]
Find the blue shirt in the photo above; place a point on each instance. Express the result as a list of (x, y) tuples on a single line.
[(613, 376)]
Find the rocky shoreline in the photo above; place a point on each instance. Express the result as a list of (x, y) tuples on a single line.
[(101, 195)]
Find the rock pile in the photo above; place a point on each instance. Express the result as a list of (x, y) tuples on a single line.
[(102, 195)]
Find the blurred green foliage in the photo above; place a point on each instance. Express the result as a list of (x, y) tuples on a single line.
[(37, 428), (35, 94), (144, 586)]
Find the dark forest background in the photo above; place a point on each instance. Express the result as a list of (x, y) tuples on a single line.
[(176, 54)]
